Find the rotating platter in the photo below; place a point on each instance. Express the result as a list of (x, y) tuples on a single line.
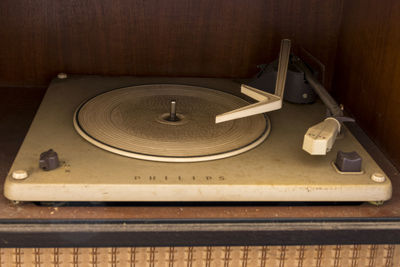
[(168, 122)]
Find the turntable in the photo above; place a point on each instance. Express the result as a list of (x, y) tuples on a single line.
[(162, 139)]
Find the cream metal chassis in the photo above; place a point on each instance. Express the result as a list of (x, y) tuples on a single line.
[(277, 170)]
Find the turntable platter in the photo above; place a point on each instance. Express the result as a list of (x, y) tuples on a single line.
[(136, 122)]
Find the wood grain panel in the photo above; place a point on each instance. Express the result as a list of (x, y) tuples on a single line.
[(226, 38), (367, 77)]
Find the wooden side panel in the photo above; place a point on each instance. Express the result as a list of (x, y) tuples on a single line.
[(367, 77), (226, 38)]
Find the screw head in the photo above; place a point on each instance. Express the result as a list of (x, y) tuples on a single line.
[(62, 75), (378, 177), (19, 174)]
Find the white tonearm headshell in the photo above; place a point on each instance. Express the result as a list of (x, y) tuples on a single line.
[(320, 138)]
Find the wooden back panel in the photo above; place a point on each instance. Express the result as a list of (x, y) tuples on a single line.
[(207, 38)]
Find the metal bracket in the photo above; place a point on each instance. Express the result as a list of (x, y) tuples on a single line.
[(267, 102)]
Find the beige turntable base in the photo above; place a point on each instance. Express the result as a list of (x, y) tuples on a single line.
[(276, 170)]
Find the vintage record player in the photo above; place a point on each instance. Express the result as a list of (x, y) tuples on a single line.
[(185, 139)]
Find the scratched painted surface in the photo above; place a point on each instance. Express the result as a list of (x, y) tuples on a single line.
[(276, 170), (15, 125)]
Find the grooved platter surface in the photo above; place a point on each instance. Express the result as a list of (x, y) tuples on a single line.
[(133, 121)]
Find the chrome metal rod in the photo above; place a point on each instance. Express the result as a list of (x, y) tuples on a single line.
[(328, 100), (172, 112)]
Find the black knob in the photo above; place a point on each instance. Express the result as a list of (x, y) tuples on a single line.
[(348, 161), (49, 160)]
